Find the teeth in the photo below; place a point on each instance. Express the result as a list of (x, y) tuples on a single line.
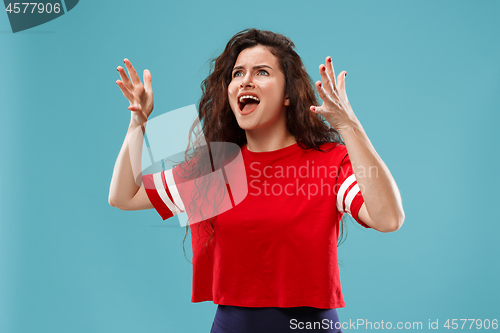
[(248, 96)]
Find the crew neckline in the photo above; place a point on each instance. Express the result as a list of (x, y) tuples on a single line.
[(280, 151)]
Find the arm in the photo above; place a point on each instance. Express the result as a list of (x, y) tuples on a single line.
[(125, 190), (382, 208)]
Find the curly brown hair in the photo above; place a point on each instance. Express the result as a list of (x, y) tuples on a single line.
[(218, 123)]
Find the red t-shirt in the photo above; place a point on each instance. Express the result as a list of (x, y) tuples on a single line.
[(278, 246)]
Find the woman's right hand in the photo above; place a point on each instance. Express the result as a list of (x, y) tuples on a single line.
[(140, 96)]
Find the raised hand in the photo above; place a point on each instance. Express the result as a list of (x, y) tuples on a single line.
[(140, 96), (335, 108)]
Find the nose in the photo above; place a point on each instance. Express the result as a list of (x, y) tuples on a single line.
[(246, 81)]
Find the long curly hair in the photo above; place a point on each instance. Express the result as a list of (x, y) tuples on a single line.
[(218, 123)]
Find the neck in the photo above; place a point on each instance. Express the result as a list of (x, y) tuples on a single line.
[(263, 139)]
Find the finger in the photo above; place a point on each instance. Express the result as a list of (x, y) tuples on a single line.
[(131, 71), (327, 81), (322, 93), (147, 80), (331, 71), (135, 108), (317, 109), (124, 78), (128, 95), (341, 80)]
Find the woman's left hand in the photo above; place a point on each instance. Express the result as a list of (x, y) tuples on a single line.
[(335, 108)]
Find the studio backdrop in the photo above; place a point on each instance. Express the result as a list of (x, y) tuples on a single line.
[(423, 79)]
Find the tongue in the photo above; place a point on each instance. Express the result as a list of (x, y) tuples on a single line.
[(250, 106)]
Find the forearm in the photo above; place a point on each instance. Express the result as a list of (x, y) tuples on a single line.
[(380, 193), (127, 168)]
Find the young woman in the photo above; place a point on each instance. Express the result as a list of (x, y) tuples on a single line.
[(269, 262)]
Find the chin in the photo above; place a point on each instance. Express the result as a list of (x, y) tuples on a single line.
[(247, 125), (244, 123)]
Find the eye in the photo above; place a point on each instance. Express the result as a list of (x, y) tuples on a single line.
[(236, 73), (263, 71)]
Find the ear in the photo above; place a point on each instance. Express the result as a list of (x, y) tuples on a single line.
[(287, 101)]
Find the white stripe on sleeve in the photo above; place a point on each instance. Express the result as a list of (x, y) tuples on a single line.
[(345, 185), (163, 194), (350, 196), (169, 177)]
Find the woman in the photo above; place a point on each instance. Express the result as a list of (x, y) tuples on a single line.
[(270, 262)]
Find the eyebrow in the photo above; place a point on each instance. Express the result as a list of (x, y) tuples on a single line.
[(254, 67)]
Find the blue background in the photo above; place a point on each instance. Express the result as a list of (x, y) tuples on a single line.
[(424, 80)]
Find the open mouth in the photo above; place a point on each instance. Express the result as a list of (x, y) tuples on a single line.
[(247, 104)]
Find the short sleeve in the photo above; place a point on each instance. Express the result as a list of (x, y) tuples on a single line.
[(162, 191), (349, 198), (199, 195)]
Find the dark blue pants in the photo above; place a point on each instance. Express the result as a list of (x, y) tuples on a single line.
[(236, 319)]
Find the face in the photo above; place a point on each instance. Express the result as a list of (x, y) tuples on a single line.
[(256, 73)]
